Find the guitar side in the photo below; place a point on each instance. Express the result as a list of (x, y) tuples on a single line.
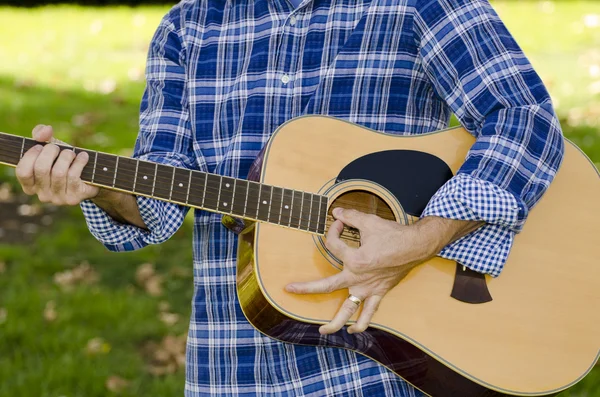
[(528, 340)]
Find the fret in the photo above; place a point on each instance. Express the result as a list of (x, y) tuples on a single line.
[(88, 169), (322, 214), (276, 205), (116, 168), (305, 211), (226, 194), (154, 179), (105, 169), (296, 209), (280, 207), (233, 194), (94, 168), (126, 169), (162, 175), (22, 149), (264, 203), (204, 189), (240, 198), (144, 183), (172, 183), (254, 198), (314, 213), (197, 191), (212, 191), (137, 166), (287, 204), (180, 191), (270, 205), (187, 197)]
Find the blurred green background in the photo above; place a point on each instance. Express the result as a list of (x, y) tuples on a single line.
[(76, 320)]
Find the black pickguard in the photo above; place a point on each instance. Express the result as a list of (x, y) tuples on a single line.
[(412, 176)]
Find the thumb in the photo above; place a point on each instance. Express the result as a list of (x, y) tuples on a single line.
[(350, 217), (42, 133)]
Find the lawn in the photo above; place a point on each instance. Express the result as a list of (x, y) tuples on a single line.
[(76, 320)]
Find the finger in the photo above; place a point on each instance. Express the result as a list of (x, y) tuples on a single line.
[(42, 169), (24, 170), (341, 318), (370, 306), (352, 218), (334, 244), (58, 175), (322, 286), (42, 133), (77, 190)]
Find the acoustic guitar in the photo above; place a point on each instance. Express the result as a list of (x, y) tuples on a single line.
[(448, 331)]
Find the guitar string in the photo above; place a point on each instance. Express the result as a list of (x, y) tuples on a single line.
[(344, 235), (210, 196), (301, 219), (276, 196), (171, 180)]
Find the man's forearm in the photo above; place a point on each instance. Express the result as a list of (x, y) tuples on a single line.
[(122, 207), (441, 231)]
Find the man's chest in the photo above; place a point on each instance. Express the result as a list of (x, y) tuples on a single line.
[(253, 65)]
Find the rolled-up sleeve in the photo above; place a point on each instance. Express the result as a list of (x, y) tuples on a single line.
[(164, 137), (474, 64)]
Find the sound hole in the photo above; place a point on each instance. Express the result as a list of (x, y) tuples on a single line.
[(362, 201)]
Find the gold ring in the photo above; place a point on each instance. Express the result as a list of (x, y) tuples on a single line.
[(357, 301)]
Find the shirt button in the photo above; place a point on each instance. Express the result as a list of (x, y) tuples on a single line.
[(292, 20), (285, 79)]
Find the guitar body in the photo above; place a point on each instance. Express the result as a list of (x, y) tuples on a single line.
[(534, 330)]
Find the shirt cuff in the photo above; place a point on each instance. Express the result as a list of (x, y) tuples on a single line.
[(121, 237), (467, 198)]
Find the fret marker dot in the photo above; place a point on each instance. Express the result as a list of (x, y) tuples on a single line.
[(181, 185), (287, 207), (265, 202), (145, 177), (227, 185), (224, 204), (104, 169)]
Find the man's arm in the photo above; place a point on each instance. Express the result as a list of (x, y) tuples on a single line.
[(477, 68)]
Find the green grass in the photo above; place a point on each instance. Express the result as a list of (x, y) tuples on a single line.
[(81, 70)]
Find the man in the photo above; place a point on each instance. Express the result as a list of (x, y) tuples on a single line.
[(223, 75)]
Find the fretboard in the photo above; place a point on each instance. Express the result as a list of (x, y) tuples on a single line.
[(211, 192)]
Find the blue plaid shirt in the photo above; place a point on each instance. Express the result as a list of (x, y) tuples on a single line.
[(223, 75)]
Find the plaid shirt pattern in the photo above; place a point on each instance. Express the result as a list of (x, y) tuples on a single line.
[(223, 75)]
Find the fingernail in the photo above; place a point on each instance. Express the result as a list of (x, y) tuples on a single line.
[(289, 288), (38, 148), (337, 212)]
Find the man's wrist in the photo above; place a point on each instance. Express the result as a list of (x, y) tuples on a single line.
[(439, 232)]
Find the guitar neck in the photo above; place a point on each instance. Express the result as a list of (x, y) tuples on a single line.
[(211, 192)]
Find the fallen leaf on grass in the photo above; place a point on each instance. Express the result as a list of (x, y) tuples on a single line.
[(147, 278), (167, 356), (97, 346), (169, 319), (50, 313), (163, 306), (6, 193), (82, 274), (116, 384)]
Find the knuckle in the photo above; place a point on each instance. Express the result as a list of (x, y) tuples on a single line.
[(23, 175), (43, 197), (71, 200), (41, 169), (56, 200), (59, 173)]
